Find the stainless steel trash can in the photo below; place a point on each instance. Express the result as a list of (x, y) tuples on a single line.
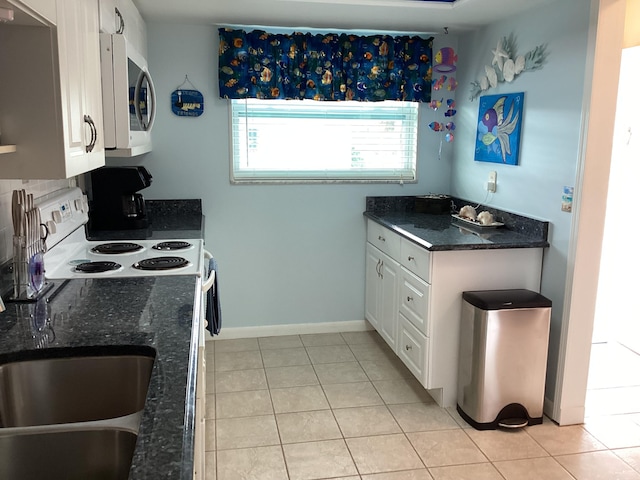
[(504, 337)]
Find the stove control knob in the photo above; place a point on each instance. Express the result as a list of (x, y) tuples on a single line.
[(57, 216), (78, 204), (51, 226)]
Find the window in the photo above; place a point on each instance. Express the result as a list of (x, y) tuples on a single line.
[(312, 141)]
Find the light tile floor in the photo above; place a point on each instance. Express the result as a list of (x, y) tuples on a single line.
[(343, 407)]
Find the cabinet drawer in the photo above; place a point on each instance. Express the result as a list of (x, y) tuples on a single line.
[(414, 300), (383, 238), (413, 349), (416, 258)]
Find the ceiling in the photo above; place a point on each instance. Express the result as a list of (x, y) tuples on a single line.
[(417, 16)]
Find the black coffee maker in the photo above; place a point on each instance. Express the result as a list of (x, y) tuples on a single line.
[(115, 203)]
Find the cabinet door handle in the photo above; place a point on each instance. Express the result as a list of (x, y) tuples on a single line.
[(408, 347), (120, 19), (381, 265), (410, 258), (378, 267), (381, 238), (94, 133), (409, 299)]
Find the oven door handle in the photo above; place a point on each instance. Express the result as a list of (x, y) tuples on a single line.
[(212, 274)]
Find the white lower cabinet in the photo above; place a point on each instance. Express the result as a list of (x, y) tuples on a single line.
[(381, 297), (414, 299)]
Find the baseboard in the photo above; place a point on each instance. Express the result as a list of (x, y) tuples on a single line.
[(291, 329), (548, 408)]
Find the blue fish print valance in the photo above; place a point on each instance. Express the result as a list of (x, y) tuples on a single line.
[(335, 67)]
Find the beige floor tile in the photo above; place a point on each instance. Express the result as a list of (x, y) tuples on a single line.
[(210, 407), (210, 435), (307, 426), (319, 339), (615, 431), (296, 376), (318, 460), (243, 404), (236, 345), (358, 338), (631, 456), (371, 351), (506, 445), (246, 432), (533, 469), (210, 466), (227, 361), (422, 417), (359, 394), (241, 380), (283, 357), (422, 474), (259, 463), (603, 465), (210, 379), (446, 447), (564, 440), (366, 421), (330, 354), (284, 341), (456, 416), (383, 453), (298, 399), (478, 471), (407, 390), (384, 368), (347, 372)]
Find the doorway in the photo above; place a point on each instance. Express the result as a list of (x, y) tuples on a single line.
[(614, 370)]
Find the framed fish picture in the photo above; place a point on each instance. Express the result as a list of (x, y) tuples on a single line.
[(499, 126)]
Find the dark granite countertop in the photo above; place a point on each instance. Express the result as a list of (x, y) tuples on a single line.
[(443, 232), (169, 219), (153, 311)]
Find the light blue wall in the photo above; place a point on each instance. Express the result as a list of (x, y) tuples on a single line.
[(287, 254), (550, 133)]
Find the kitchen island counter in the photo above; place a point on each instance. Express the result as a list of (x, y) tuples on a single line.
[(153, 311)]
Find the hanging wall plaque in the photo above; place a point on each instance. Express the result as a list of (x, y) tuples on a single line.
[(187, 102)]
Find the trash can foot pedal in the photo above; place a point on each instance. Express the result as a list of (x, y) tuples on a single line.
[(513, 423)]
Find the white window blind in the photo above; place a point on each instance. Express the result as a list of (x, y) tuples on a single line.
[(312, 141)]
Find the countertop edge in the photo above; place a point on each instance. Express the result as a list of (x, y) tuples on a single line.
[(534, 243)]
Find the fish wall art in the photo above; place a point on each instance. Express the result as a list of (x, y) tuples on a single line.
[(499, 127)]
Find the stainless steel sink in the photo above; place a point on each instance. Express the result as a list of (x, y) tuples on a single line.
[(69, 455), (66, 385)]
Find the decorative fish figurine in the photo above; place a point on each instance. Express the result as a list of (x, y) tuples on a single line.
[(450, 113), (435, 104), (451, 103), (452, 84), (445, 60), (436, 126), (498, 127), (438, 84), (449, 137), (450, 126)]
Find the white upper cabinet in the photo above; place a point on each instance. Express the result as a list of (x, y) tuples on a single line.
[(51, 102), (122, 16)]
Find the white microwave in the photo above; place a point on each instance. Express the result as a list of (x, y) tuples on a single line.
[(128, 98)]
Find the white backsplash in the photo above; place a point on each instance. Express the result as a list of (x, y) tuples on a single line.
[(38, 188)]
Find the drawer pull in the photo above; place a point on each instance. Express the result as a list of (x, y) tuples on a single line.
[(381, 238), (409, 299), (411, 258), (408, 347)]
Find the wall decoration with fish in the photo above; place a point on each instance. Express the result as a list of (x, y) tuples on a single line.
[(499, 126), (187, 102), (444, 63), (506, 65)]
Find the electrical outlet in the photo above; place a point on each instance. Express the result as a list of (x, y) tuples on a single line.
[(492, 184)]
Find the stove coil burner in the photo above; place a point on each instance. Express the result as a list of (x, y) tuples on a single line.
[(172, 245), (97, 267), (161, 263), (116, 248)]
